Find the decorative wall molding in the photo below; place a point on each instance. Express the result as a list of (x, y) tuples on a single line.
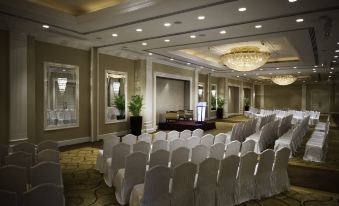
[(119, 133), (73, 141)]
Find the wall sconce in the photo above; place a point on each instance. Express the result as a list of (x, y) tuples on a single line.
[(116, 87), (213, 92), (200, 92), (62, 83)]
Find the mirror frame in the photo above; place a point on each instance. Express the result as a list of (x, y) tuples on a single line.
[(126, 96), (216, 96), (61, 66), (201, 84)]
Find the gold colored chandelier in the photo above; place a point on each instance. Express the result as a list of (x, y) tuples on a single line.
[(245, 58), (284, 79)]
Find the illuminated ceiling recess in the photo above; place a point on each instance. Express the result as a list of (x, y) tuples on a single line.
[(246, 58), (284, 79)]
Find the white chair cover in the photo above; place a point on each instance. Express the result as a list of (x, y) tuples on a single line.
[(177, 143), (217, 151), (193, 142), (245, 183), (199, 154), (8, 198), (160, 144), (133, 174), (316, 147), (3, 153), (145, 137), (47, 144), (161, 135), (155, 190), (22, 159), (207, 140), (106, 152), (129, 139), (247, 146), (226, 181), (185, 134), (205, 190), (182, 190), (159, 157), (220, 138), (116, 162), (279, 178), (232, 148), (198, 133), (48, 155), (46, 172), (179, 156), (263, 174), (142, 147), (172, 135), (45, 194), (24, 147)]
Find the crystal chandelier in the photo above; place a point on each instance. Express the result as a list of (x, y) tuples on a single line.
[(62, 82), (245, 58), (284, 79)]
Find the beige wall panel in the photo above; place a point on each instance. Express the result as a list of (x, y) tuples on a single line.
[(283, 97), (318, 97), (4, 87), (107, 62), (63, 55), (203, 79)]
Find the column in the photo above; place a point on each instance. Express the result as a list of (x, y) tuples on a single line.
[(195, 93), (241, 93), (303, 97), (262, 96), (208, 95), (226, 98), (149, 125), (18, 86), (94, 96)]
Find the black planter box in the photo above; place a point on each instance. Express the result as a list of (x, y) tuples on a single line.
[(220, 113), (136, 125), (247, 108)]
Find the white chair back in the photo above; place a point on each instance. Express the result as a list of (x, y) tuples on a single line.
[(198, 133), (142, 146), (22, 159), (217, 151), (3, 153), (46, 172), (160, 144), (192, 142), (48, 155), (161, 135), (159, 157), (129, 139), (182, 191), (177, 143), (172, 135), (263, 174), (279, 178), (206, 182), (199, 154), (45, 194), (145, 137), (220, 138), (207, 140), (109, 143), (8, 198), (247, 146), (232, 148), (24, 147), (185, 134), (179, 156), (47, 144)]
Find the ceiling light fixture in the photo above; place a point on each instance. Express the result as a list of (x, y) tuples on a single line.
[(294, 67), (283, 79), (335, 57), (315, 66), (332, 68), (245, 58), (201, 17), (222, 32), (188, 63), (114, 35), (270, 73), (45, 26), (171, 59), (150, 54), (314, 71), (299, 72), (192, 36), (258, 26), (138, 30), (299, 20), (167, 40), (144, 43), (167, 24), (331, 72), (242, 9), (292, 1), (277, 68)]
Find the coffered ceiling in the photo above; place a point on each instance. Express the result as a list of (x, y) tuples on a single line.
[(301, 35)]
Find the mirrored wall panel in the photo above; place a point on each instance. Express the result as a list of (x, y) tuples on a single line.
[(201, 92), (61, 96), (116, 96), (213, 97)]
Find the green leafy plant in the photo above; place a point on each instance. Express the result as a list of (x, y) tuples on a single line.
[(247, 101), (220, 102), (135, 105), (119, 103), (213, 102)]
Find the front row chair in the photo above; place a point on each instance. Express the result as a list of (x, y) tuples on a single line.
[(279, 178), (45, 194), (46, 172)]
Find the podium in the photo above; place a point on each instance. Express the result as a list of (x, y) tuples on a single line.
[(201, 110)]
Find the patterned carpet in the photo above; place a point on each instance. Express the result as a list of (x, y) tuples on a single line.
[(85, 186)]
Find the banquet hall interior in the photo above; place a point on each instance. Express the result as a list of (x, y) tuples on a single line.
[(169, 102)]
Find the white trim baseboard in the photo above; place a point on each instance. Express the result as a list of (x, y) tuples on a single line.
[(120, 133), (73, 141)]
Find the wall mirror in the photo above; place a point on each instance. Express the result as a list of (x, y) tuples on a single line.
[(61, 92), (201, 92), (115, 96), (213, 97)]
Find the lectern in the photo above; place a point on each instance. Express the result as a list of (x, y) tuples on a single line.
[(201, 109)]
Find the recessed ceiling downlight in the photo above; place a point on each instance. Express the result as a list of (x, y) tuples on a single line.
[(114, 35), (138, 30), (222, 32), (167, 24), (201, 17), (167, 40), (242, 9), (45, 26), (299, 20)]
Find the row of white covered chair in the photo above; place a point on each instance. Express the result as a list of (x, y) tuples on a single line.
[(231, 181), (242, 130), (316, 146)]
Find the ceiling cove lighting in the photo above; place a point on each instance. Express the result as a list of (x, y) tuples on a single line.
[(45, 26), (242, 9), (299, 20), (167, 24), (284, 79), (138, 30), (201, 17), (114, 35), (245, 58)]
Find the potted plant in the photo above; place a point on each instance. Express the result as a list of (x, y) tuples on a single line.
[(134, 107), (247, 104), (119, 103), (220, 108)]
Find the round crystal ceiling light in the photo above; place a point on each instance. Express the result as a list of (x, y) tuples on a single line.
[(245, 58), (284, 79)]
